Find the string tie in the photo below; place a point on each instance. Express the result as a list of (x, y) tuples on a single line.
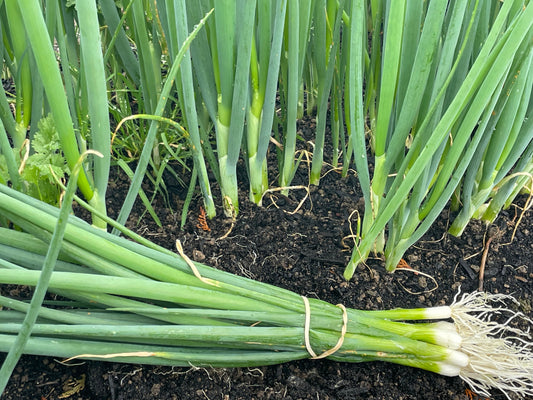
[(307, 327)]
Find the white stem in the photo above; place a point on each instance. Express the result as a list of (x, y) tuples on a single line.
[(449, 369), (446, 335), (454, 363), (457, 358), (441, 312)]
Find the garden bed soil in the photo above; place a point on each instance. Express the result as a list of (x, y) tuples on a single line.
[(303, 251)]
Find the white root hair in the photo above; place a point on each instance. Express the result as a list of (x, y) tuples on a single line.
[(500, 355)]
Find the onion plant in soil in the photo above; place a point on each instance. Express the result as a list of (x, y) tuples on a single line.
[(217, 343), (303, 252)]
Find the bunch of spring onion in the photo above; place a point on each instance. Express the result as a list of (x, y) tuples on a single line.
[(132, 301)]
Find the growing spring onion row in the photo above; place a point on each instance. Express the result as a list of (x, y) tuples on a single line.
[(449, 117), (133, 301)]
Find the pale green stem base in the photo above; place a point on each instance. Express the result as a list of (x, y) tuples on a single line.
[(98, 202), (229, 188), (258, 179), (257, 168), (475, 209)]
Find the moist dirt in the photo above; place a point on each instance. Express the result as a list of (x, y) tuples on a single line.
[(302, 244)]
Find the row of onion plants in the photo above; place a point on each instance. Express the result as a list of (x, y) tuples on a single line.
[(449, 113), (430, 101)]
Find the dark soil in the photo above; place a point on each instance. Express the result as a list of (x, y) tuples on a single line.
[(304, 252)]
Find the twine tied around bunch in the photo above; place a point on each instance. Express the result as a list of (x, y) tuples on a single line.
[(307, 327)]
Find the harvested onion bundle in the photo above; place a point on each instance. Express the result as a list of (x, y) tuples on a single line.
[(137, 302)]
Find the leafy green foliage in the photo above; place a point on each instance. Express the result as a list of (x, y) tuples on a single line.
[(428, 98), (46, 164)]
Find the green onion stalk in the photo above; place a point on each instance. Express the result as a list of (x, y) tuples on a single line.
[(291, 83), (258, 172), (265, 60), (393, 33), (324, 44), (177, 35), (223, 46), (133, 301), (21, 71)]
